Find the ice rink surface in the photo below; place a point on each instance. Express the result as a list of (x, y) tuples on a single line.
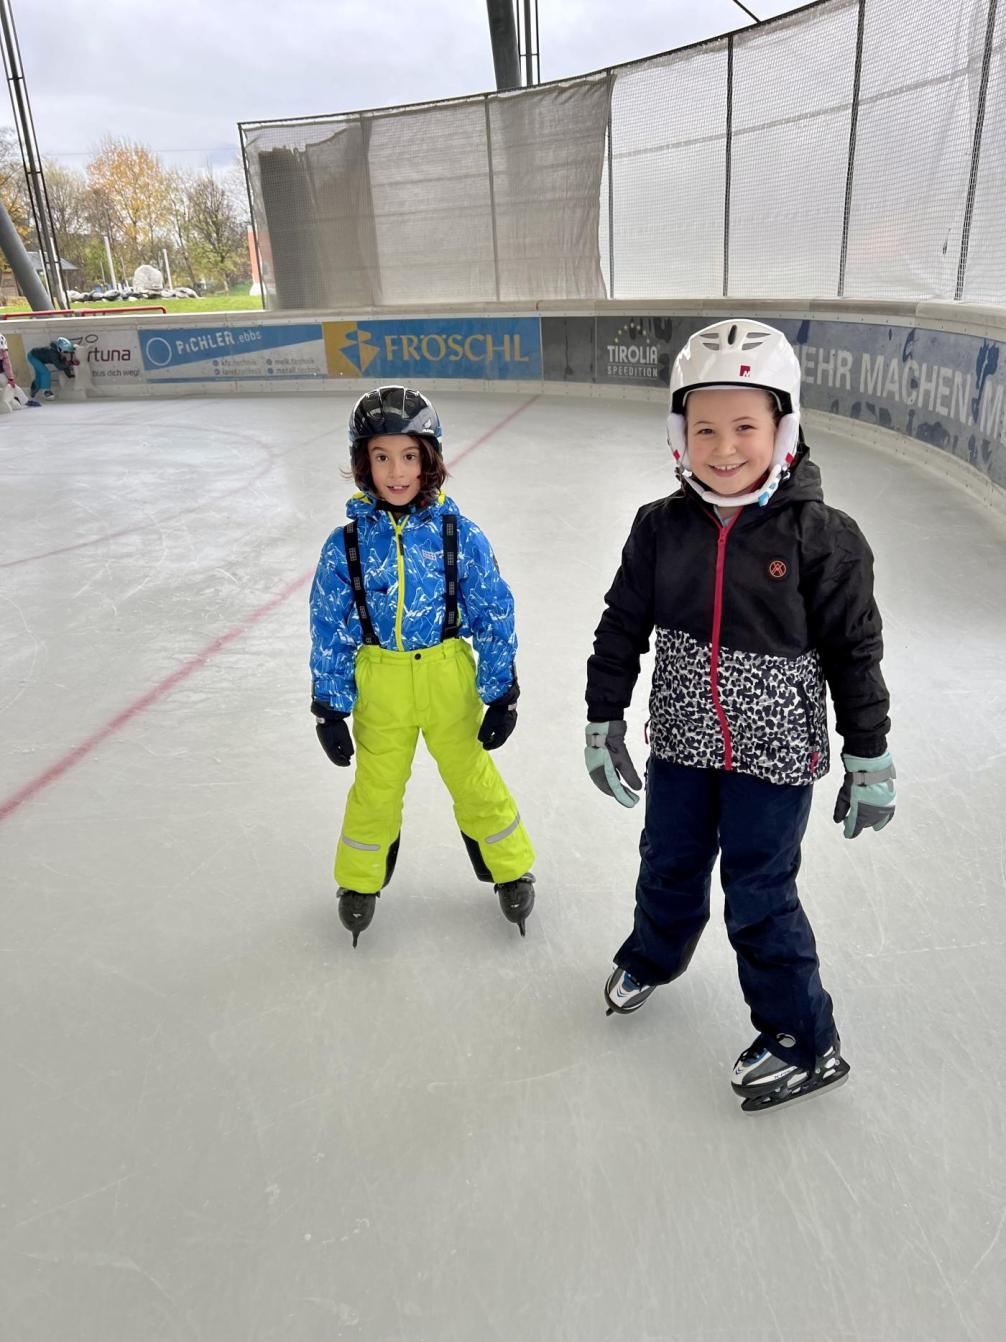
[(219, 1123)]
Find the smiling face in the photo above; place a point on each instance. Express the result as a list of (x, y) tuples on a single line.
[(731, 438), (396, 467)]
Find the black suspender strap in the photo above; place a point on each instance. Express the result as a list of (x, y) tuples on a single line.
[(356, 580), (452, 619)]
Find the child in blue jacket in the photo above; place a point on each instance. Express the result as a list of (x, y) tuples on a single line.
[(395, 595)]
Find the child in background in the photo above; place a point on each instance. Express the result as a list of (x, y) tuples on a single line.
[(761, 596), (59, 355), (12, 397), (394, 596)]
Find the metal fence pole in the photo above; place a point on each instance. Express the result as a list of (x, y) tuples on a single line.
[(726, 183), (492, 199), (38, 196), (976, 150), (853, 127), (611, 195)]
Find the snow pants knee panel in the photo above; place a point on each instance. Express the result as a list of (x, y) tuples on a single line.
[(401, 694)]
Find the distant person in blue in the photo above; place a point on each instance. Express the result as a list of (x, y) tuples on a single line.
[(395, 596), (59, 354)]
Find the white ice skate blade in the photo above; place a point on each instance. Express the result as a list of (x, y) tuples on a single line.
[(762, 1105)]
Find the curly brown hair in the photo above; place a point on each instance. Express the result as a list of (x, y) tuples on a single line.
[(431, 480)]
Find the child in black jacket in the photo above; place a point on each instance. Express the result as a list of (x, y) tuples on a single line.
[(761, 596), (58, 354)]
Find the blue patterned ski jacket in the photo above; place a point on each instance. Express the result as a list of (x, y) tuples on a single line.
[(407, 615)]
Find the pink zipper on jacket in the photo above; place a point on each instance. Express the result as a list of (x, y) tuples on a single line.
[(714, 660)]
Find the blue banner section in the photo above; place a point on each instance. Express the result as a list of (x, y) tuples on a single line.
[(408, 350), (178, 346), (940, 387)]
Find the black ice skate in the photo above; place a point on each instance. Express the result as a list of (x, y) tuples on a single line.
[(765, 1081), (517, 899), (623, 993), (356, 911)]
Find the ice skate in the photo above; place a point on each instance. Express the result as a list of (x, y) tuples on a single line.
[(356, 911), (765, 1081), (516, 899), (625, 994)]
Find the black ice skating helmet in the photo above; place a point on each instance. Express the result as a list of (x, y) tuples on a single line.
[(395, 410)]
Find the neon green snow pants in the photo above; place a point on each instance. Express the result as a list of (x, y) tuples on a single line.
[(401, 694)]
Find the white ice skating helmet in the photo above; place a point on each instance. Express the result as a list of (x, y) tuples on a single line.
[(3, 342), (744, 354), (64, 345)]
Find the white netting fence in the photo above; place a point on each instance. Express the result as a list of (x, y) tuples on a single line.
[(854, 148)]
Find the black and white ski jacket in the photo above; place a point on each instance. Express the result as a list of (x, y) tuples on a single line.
[(753, 618)]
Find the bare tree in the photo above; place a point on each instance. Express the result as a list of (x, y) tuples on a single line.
[(69, 209), (216, 227)]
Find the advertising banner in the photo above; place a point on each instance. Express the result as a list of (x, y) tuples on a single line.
[(111, 356), (636, 351), (260, 352), (938, 387), (407, 350)]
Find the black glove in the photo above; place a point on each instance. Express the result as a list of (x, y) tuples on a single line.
[(333, 733), (500, 719)]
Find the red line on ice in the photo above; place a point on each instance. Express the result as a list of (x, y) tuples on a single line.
[(79, 752)]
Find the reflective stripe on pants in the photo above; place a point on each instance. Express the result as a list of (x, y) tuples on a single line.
[(400, 694)]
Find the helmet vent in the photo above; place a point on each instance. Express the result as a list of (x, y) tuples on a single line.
[(732, 335), (753, 342), (711, 344)]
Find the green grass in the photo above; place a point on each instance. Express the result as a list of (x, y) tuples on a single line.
[(211, 303)]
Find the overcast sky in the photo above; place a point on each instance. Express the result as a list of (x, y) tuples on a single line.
[(179, 76)]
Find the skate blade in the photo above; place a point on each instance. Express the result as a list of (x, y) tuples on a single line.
[(760, 1104)]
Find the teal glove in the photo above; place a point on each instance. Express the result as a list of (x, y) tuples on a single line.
[(867, 798), (608, 761)]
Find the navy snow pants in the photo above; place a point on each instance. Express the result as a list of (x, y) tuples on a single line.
[(757, 828)]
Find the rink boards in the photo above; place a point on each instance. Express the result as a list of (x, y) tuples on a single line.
[(932, 373)]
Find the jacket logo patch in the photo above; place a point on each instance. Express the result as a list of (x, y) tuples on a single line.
[(777, 569)]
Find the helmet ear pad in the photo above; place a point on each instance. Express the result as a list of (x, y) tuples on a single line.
[(676, 437), (787, 438)]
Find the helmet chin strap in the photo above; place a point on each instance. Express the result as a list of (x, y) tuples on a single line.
[(786, 436), (760, 496)]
